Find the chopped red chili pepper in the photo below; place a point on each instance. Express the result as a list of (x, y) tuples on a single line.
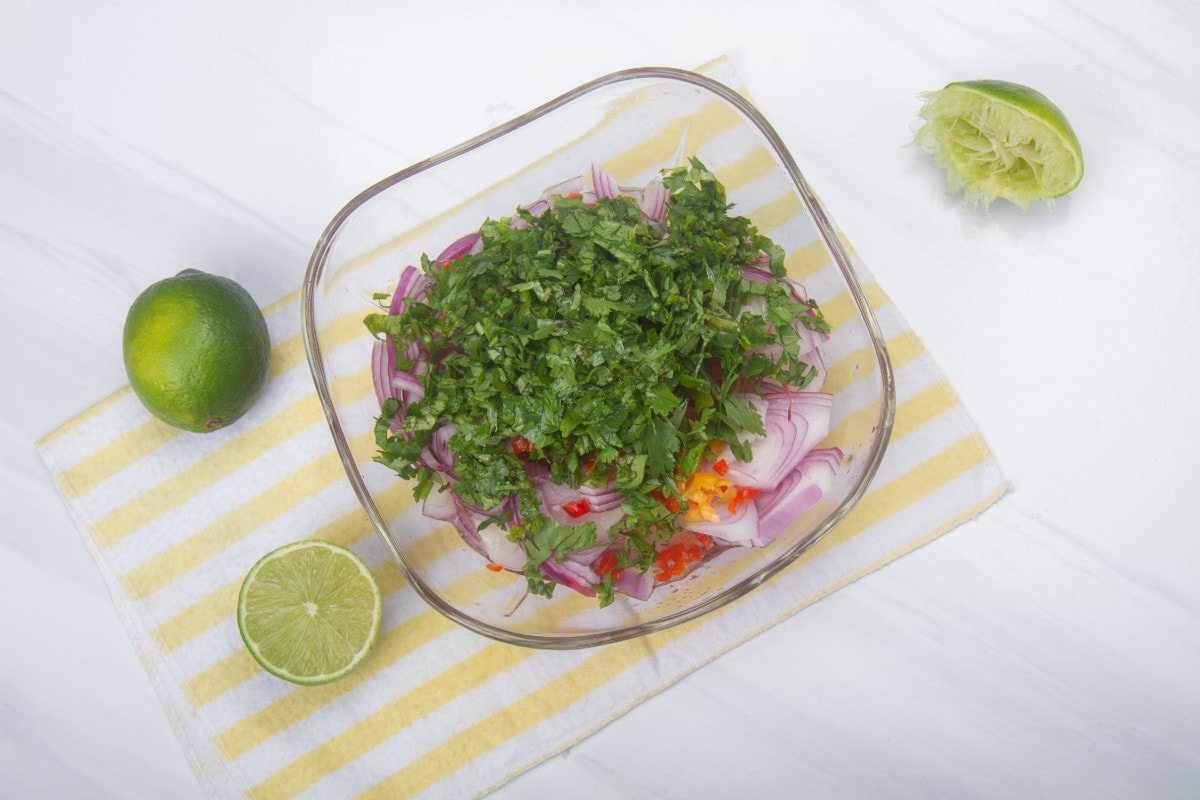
[(671, 563), (606, 563), (670, 501), (521, 446), (577, 508), (742, 494), (446, 264), (674, 559), (721, 467), (494, 567)]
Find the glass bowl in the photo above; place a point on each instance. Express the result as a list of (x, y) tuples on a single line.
[(633, 123)]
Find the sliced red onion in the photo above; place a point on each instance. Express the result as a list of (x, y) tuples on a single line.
[(603, 183), (413, 283), (405, 387), (537, 209), (786, 407), (580, 577), (635, 584), (447, 506), (382, 364), (590, 555), (437, 454), (739, 527), (499, 549), (444, 505), (389, 382), (604, 501), (797, 493), (467, 245), (757, 273), (795, 423), (600, 498), (810, 340), (440, 504), (408, 385), (654, 200)]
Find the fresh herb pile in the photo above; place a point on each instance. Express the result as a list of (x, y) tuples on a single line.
[(602, 343)]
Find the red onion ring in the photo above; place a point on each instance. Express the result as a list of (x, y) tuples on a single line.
[(798, 492)]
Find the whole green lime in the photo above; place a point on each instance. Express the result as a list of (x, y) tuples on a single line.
[(196, 350)]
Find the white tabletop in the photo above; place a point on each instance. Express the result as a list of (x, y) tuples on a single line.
[(1049, 649)]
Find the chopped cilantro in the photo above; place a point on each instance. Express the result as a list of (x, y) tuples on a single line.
[(613, 345)]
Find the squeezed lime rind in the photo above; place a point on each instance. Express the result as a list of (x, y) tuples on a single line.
[(997, 139)]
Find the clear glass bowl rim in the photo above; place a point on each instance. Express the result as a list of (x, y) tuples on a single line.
[(826, 231)]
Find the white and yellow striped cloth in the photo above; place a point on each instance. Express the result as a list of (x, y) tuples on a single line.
[(175, 520)]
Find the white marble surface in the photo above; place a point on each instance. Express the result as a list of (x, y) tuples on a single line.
[(1050, 649)]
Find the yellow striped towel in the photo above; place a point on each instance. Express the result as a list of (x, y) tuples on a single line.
[(175, 520)]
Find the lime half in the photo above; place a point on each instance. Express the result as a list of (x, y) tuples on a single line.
[(310, 612), (1000, 139)]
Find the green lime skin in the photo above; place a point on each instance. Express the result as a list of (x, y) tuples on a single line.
[(1031, 101), (196, 350)]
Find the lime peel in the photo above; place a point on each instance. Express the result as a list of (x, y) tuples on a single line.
[(310, 612), (997, 139)]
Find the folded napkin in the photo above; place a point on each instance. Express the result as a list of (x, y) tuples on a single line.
[(175, 520)]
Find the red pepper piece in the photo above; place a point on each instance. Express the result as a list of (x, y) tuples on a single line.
[(742, 494), (721, 467), (671, 562), (521, 446), (670, 501), (675, 559), (577, 508), (606, 563)]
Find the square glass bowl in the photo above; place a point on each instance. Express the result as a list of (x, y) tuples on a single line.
[(634, 123)]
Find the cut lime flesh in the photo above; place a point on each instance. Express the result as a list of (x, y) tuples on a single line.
[(1000, 139), (310, 612)]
